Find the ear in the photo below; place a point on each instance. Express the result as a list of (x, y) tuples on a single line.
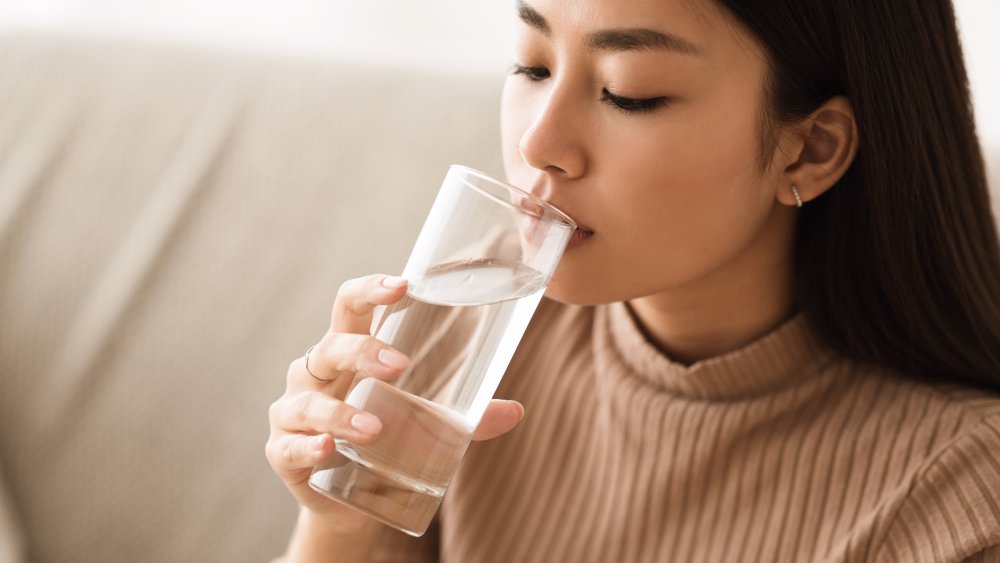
[(823, 146)]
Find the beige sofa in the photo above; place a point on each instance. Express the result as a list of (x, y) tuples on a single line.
[(174, 225)]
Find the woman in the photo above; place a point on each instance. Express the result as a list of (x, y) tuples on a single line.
[(779, 338)]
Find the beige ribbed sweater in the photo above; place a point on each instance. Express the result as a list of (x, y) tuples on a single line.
[(780, 451)]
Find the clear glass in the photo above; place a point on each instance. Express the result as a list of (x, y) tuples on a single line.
[(477, 273)]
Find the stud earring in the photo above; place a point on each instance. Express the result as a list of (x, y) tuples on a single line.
[(798, 198)]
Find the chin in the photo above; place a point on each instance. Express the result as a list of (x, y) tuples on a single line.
[(586, 276), (578, 290)]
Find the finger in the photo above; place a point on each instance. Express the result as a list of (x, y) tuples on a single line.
[(303, 376), (292, 452), (500, 417), (346, 354), (357, 298), (315, 412)]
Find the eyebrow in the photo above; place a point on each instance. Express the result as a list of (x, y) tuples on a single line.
[(614, 40), (531, 17)]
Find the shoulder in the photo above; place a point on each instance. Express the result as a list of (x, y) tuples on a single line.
[(949, 509), (990, 554), (557, 338), (556, 324), (561, 325)]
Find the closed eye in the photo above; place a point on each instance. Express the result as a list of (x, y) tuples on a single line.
[(630, 105), (532, 73)]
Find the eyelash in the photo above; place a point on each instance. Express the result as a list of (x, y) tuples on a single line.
[(627, 105), (532, 73), (632, 106)]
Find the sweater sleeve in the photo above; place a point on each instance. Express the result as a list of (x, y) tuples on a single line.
[(394, 546), (989, 555), (12, 546), (952, 512)]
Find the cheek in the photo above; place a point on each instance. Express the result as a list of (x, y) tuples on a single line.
[(727, 140), (699, 150), (687, 195), (695, 173)]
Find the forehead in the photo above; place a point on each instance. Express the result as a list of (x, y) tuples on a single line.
[(703, 23)]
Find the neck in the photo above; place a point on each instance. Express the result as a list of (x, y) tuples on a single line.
[(726, 309)]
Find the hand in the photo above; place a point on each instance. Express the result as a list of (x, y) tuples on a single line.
[(311, 413)]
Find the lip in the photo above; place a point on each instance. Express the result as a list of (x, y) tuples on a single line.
[(579, 226), (578, 237), (582, 232), (529, 226)]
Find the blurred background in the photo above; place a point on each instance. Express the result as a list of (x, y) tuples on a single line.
[(421, 33), (416, 34), (183, 186)]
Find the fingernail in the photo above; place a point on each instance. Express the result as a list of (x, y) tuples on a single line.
[(520, 407), (319, 442), (393, 358), (366, 423), (393, 282)]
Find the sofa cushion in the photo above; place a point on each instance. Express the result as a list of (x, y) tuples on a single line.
[(174, 225)]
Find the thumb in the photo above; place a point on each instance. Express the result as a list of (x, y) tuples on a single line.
[(499, 418)]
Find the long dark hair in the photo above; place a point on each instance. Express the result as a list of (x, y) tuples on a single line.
[(899, 264)]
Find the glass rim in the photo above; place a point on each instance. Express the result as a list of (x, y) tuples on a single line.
[(550, 210)]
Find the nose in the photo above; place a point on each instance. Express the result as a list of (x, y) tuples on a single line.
[(552, 142)]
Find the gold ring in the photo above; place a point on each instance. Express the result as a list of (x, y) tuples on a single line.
[(309, 371)]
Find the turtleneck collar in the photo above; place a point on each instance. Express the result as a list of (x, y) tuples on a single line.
[(787, 354)]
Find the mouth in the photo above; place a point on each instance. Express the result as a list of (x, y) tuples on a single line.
[(530, 224), (582, 232), (578, 237)]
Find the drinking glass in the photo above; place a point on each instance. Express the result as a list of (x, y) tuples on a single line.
[(476, 274)]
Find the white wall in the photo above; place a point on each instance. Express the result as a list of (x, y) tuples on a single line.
[(979, 23), (413, 32), (409, 31)]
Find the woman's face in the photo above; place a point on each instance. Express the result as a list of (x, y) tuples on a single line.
[(640, 119)]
